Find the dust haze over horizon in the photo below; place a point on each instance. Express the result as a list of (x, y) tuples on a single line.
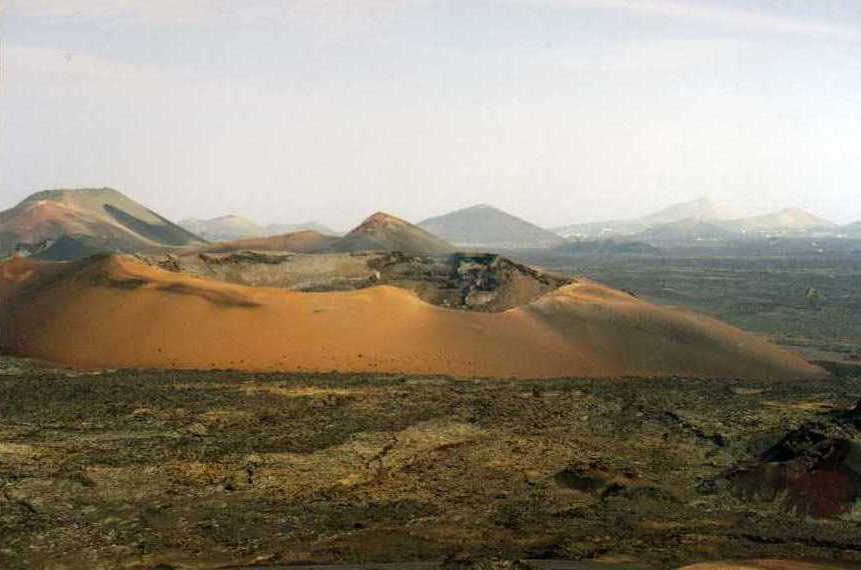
[(558, 111)]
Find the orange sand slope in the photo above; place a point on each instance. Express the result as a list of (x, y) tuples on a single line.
[(116, 312)]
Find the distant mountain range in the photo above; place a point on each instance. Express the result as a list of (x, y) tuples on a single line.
[(485, 226), (78, 222), (232, 227), (222, 228), (276, 229), (786, 220), (379, 232), (703, 209), (705, 221), (689, 230), (70, 224)]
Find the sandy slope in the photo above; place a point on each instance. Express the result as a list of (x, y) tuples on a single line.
[(116, 312)]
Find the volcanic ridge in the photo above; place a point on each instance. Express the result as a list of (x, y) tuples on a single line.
[(119, 311)]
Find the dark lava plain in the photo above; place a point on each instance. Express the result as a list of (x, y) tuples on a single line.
[(807, 301), (220, 469)]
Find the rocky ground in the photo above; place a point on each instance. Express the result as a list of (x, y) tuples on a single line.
[(214, 469), (472, 282)]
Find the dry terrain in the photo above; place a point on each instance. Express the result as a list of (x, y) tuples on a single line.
[(115, 311), (162, 469)]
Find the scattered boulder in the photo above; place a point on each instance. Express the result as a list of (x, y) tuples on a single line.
[(596, 478), (474, 282), (245, 257)]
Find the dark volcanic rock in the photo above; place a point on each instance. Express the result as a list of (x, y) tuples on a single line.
[(477, 282), (813, 470), (474, 282)]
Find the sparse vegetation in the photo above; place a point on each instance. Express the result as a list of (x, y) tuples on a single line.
[(223, 468)]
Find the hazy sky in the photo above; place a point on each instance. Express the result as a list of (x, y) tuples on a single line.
[(556, 110)]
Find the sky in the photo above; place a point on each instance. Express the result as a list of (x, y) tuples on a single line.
[(559, 111)]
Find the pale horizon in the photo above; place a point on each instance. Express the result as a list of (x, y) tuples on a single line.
[(556, 111)]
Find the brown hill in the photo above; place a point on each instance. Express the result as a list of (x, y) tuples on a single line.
[(306, 241), (384, 232), (113, 311), (380, 232), (94, 219)]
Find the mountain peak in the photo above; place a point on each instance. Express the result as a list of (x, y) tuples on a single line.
[(385, 232), (486, 226), (104, 218), (59, 194), (378, 221)]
